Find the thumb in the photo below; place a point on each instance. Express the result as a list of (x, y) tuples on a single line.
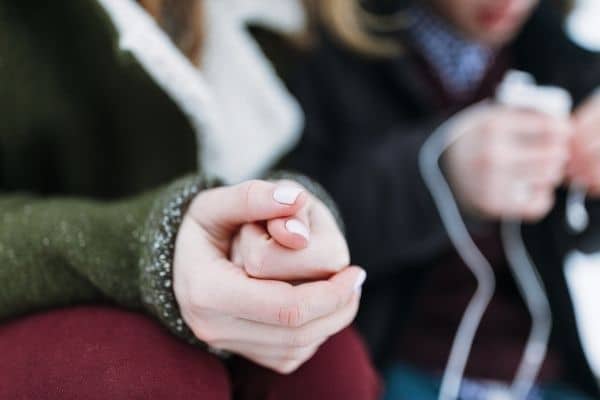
[(350, 279), (226, 208)]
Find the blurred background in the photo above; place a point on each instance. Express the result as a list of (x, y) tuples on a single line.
[(584, 24)]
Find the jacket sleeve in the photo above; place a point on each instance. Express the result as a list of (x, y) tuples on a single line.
[(62, 251)]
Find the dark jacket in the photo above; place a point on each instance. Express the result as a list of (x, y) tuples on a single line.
[(366, 122)]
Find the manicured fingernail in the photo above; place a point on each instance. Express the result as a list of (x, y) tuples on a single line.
[(287, 194), (362, 276), (297, 227)]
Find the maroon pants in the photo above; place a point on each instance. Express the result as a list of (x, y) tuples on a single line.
[(104, 353)]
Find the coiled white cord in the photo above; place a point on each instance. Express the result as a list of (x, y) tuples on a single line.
[(518, 90), (429, 158), (533, 292)]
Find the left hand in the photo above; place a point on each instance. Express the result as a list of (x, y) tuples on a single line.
[(272, 323), (584, 164)]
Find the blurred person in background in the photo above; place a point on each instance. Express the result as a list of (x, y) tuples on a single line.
[(105, 116), (383, 76)]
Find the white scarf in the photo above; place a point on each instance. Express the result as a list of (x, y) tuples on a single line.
[(258, 119), (244, 117)]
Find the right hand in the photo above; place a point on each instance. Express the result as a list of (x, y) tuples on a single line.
[(273, 323), (507, 162)]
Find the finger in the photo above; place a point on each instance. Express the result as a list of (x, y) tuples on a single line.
[(265, 259), (294, 232), (590, 177), (585, 160), (588, 114), (587, 149), (276, 302), (252, 248), (314, 332), (519, 199), (528, 128), (262, 257), (540, 168), (228, 207)]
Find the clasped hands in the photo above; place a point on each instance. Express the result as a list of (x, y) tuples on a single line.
[(261, 270)]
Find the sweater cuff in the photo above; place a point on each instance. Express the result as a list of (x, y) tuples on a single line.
[(158, 248)]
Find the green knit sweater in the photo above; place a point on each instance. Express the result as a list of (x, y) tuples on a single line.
[(93, 159)]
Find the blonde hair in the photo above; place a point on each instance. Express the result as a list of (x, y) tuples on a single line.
[(346, 21), (354, 27), (359, 30)]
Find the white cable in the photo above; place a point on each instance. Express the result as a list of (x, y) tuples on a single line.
[(458, 233), (577, 215), (532, 290), (518, 90)]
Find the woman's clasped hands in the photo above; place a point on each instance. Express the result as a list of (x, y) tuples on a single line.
[(262, 270)]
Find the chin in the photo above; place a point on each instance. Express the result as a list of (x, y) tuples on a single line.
[(494, 37), (495, 41)]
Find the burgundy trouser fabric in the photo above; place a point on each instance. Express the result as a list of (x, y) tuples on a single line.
[(104, 353)]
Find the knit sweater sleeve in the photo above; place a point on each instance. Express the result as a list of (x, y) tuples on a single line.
[(61, 251)]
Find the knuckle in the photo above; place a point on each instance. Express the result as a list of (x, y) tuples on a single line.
[(291, 316)]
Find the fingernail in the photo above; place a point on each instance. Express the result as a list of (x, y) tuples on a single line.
[(298, 228), (362, 276), (287, 194)]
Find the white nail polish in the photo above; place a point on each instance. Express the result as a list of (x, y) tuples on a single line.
[(362, 276), (298, 228), (287, 194)]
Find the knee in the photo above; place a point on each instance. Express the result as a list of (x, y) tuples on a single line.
[(99, 353), (341, 369)]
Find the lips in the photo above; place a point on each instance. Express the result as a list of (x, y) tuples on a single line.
[(498, 16)]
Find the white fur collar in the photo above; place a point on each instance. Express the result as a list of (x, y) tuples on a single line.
[(244, 117)]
